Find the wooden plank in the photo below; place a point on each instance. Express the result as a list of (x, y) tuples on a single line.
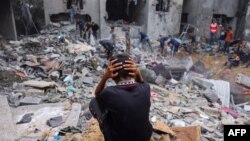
[(73, 117), (7, 128), (192, 133)]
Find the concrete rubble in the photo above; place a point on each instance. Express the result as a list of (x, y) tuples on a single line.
[(53, 76)]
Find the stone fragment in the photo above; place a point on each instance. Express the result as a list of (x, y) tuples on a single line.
[(30, 101), (39, 84)]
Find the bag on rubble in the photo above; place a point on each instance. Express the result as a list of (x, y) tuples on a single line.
[(92, 40)]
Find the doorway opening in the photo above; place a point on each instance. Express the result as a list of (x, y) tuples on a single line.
[(128, 11)]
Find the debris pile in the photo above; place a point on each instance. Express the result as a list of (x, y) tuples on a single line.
[(49, 81)]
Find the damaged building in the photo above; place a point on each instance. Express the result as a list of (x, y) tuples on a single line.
[(143, 15), (226, 12)]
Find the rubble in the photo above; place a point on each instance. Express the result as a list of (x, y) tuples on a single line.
[(54, 74)]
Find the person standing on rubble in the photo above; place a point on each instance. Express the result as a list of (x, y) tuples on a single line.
[(123, 110), (72, 13), (95, 28), (213, 31), (228, 39), (144, 39), (128, 41), (222, 38), (80, 26), (113, 35), (87, 31)]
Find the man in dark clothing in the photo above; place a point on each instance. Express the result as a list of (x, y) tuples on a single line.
[(80, 25), (108, 46), (145, 39), (95, 28), (123, 110), (222, 38), (175, 44), (162, 40), (87, 31)]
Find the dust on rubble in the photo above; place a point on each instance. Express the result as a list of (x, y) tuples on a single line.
[(93, 133), (7, 78), (215, 65)]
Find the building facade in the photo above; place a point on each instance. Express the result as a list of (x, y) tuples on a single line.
[(156, 17), (200, 13)]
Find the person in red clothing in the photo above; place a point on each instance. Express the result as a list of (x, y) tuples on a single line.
[(228, 39), (213, 30)]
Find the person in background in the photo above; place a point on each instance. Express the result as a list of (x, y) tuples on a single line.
[(128, 41), (108, 46), (233, 60), (213, 31), (123, 110), (95, 28), (144, 38), (222, 38), (72, 13), (174, 45), (162, 41), (87, 31), (80, 26), (113, 35), (228, 39)]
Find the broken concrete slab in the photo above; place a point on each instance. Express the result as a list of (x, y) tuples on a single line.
[(149, 75), (243, 79), (30, 92), (42, 113), (8, 130), (88, 80), (39, 84), (203, 83), (160, 80), (211, 95), (247, 108), (73, 117), (30, 101), (222, 89)]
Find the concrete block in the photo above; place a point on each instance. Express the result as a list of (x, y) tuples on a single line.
[(243, 79), (73, 117), (30, 101), (7, 128)]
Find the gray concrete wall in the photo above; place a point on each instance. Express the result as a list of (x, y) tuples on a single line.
[(147, 18), (90, 7), (7, 24), (247, 26), (141, 20), (164, 23), (200, 12), (53, 7)]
